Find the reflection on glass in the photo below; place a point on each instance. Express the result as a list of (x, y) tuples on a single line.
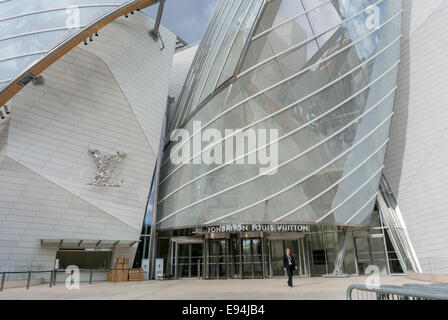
[(217, 259), (29, 29), (325, 80), (189, 260)]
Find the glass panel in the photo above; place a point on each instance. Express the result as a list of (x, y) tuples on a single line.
[(349, 257), (306, 138), (370, 250), (318, 258), (281, 96), (332, 247), (234, 259), (293, 198), (278, 249), (277, 257), (364, 215), (364, 259), (219, 55), (209, 65), (37, 31), (279, 39), (183, 253), (378, 253), (246, 258), (257, 258), (394, 262), (322, 18), (239, 43), (196, 260), (318, 118), (277, 11), (217, 259), (84, 259)]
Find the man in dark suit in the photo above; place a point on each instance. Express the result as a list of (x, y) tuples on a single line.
[(289, 265)]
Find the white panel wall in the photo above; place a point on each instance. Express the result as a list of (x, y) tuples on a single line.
[(140, 68), (53, 126), (33, 208), (110, 95), (182, 61), (4, 130), (181, 65), (417, 154)]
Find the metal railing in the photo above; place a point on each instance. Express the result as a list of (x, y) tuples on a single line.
[(410, 291), (52, 275)]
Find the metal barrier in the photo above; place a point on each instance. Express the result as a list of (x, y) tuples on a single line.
[(53, 275), (409, 291)]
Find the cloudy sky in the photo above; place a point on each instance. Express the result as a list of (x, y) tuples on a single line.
[(186, 18)]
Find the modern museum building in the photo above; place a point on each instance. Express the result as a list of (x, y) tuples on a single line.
[(313, 125)]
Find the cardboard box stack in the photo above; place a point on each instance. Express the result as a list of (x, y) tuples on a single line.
[(136, 274), (119, 275)]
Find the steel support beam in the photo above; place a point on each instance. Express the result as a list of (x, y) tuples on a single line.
[(155, 32)]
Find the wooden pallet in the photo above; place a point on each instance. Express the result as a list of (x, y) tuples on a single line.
[(136, 275), (119, 275)]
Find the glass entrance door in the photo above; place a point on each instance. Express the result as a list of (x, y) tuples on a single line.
[(252, 262), (217, 259), (188, 260), (234, 259), (278, 248), (370, 252)]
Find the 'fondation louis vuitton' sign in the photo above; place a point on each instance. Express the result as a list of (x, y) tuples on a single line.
[(259, 227)]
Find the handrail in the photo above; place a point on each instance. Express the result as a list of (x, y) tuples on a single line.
[(53, 274), (410, 291)]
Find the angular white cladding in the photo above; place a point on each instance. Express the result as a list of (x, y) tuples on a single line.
[(181, 64), (141, 72), (416, 159), (182, 61), (102, 96), (53, 126), (4, 130), (32, 207)]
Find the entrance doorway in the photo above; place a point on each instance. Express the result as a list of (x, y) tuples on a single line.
[(188, 259), (369, 251), (252, 258), (234, 258), (217, 259), (277, 250)]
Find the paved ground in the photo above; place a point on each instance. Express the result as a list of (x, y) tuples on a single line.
[(306, 288)]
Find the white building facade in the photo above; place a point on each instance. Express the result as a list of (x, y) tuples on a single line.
[(360, 108), (415, 164), (98, 96)]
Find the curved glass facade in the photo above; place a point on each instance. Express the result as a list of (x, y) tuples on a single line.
[(30, 29), (219, 52), (323, 74)]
